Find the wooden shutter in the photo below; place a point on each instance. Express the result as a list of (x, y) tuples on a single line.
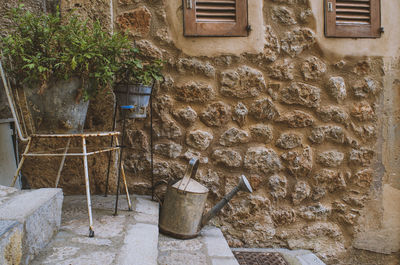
[(352, 18), (227, 18)]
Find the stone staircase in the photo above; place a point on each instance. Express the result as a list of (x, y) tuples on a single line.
[(130, 238)]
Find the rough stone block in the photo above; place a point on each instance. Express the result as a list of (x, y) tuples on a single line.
[(11, 233), (40, 213), (136, 21)]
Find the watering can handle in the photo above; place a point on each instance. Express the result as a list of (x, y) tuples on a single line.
[(190, 173)]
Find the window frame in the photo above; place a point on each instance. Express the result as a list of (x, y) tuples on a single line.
[(333, 30), (192, 28)]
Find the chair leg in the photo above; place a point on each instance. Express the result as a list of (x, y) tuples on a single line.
[(125, 183), (87, 184), (22, 161), (62, 162), (128, 198)]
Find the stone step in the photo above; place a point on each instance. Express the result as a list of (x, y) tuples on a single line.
[(28, 221), (209, 248)]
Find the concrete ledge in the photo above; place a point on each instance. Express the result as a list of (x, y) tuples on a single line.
[(224, 261), (217, 248), (310, 259), (39, 214)]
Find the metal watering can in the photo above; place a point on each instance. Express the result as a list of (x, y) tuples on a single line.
[(182, 211)]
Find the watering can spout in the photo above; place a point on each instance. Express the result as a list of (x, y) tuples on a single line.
[(243, 185)]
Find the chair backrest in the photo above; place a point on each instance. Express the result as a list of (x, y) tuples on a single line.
[(18, 116)]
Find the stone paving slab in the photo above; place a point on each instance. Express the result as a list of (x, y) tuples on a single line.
[(209, 248), (6, 193), (140, 245)]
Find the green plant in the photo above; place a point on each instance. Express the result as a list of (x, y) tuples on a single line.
[(42, 48), (134, 69)]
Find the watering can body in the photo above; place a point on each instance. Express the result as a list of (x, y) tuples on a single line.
[(182, 210), (181, 214)]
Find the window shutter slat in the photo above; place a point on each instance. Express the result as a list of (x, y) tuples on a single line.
[(352, 18), (215, 18), (221, 2), (215, 11), (353, 12)]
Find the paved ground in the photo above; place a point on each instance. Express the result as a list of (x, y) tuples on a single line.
[(129, 238)]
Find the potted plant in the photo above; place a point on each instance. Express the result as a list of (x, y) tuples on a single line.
[(60, 63), (135, 78)]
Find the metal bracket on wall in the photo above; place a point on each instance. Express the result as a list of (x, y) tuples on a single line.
[(330, 7)]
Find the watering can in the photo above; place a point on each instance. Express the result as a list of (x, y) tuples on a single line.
[(182, 211)]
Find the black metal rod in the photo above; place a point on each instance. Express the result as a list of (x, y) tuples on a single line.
[(151, 145), (110, 153), (15, 144), (134, 93), (120, 161)]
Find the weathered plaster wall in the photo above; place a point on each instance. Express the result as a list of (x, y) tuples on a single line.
[(310, 121), (216, 46), (386, 46), (379, 227)]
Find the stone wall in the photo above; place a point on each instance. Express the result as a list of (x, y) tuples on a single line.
[(301, 125), (5, 5), (32, 5)]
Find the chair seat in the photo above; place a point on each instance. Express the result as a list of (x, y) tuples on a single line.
[(67, 135)]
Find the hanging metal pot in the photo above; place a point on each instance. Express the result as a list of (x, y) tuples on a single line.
[(136, 95), (182, 211)]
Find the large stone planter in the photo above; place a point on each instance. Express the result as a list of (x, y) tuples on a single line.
[(56, 109)]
